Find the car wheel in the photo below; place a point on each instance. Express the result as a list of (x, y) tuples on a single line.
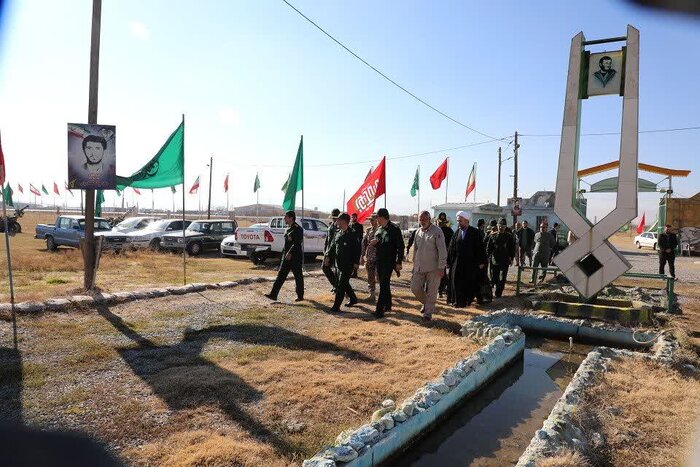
[(154, 244), (194, 248), (639, 247), (258, 258), (654, 247), (51, 244)]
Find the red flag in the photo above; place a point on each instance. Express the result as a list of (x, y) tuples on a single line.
[(640, 227), (21, 190), (136, 190), (226, 184), (65, 185), (362, 202), (439, 175), (33, 190), (55, 189), (195, 186), (2, 166), (369, 174), (471, 183)]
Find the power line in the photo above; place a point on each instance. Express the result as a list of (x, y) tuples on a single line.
[(387, 78), (612, 133)]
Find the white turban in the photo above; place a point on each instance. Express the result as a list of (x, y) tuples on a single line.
[(462, 214)]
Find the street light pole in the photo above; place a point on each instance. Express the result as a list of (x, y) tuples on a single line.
[(515, 174), (498, 195), (211, 167)]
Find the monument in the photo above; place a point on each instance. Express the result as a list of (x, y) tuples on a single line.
[(591, 262)]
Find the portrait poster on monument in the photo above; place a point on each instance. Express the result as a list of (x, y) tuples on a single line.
[(605, 73), (91, 157)]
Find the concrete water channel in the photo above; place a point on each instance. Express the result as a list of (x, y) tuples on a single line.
[(494, 427)]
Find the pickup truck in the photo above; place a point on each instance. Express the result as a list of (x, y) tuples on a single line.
[(261, 243), (68, 230), (201, 235)]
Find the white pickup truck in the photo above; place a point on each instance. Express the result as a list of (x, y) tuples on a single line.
[(261, 243)]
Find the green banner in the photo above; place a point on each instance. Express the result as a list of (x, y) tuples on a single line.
[(416, 182), (296, 179), (165, 169)]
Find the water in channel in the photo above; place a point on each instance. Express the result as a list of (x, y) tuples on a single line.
[(494, 427)]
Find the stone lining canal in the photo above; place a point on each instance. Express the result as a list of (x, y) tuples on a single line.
[(494, 427)]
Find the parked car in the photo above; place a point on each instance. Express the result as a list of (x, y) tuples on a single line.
[(68, 230), (646, 239), (267, 241), (199, 236), (151, 236), (134, 223), (231, 247)]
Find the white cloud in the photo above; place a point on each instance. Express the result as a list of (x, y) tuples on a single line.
[(139, 30), (229, 117)]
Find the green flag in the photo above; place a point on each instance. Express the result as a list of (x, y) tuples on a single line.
[(296, 179), (99, 199), (166, 168), (416, 182), (286, 183), (43, 188), (256, 185), (7, 194)]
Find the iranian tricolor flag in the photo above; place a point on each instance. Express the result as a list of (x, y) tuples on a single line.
[(33, 190), (137, 191), (55, 189), (19, 187), (195, 186), (226, 184), (471, 183)]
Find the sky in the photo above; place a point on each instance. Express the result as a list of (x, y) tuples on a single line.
[(251, 77)]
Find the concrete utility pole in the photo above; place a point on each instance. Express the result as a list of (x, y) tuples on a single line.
[(211, 168), (498, 195), (515, 173), (89, 243)]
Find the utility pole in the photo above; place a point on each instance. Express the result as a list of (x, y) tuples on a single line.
[(211, 167), (89, 243), (498, 195), (515, 174)]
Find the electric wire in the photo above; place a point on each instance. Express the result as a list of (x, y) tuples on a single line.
[(380, 73), (612, 133)]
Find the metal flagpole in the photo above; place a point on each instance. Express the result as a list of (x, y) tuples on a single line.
[(447, 178), (475, 182), (302, 206), (9, 274), (228, 190), (419, 191), (184, 244)]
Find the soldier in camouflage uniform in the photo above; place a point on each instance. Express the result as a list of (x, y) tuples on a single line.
[(291, 258), (328, 251), (369, 255), (347, 260)]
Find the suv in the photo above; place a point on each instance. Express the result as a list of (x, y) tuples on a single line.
[(200, 235)]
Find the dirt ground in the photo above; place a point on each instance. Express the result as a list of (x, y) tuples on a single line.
[(222, 377)]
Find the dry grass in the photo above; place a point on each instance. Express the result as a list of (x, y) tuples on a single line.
[(646, 413), (565, 459), (40, 274), (219, 380)]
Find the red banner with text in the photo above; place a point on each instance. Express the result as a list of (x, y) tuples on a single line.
[(362, 202)]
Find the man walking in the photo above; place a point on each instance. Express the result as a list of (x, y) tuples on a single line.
[(359, 232), (555, 236), (544, 243), (291, 258), (526, 241), (329, 251), (429, 261), (501, 250), (447, 232), (466, 257), (369, 256), (389, 244), (667, 244), (347, 260)]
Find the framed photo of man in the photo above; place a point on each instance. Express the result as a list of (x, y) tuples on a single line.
[(605, 73), (91, 156)]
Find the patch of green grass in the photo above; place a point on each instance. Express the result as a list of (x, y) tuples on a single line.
[(254, 315), (254, 353), (34, 375), (56, 280), (88, 353)]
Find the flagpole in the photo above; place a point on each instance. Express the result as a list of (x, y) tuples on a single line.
[(302, 204), (447, 178), (184, 244), (474, 182), (418, 191), (9, 263)]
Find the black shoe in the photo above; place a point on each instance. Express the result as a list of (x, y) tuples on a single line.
[(271, 297), (299, 299), (427, 318), (334, 310), (351, 303)]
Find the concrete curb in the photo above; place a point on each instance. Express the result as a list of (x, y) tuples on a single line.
[(89, 301), (393, 429), (542, 323)]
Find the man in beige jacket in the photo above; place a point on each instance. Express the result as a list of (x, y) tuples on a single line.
[(429, 261)]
